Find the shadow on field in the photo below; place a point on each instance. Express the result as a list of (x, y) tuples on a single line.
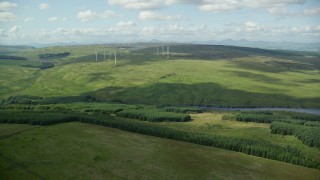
[(202, 94), (256, 77), (277, 66)]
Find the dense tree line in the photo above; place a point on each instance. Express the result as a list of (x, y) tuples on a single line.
[(300, 122), (257, 112), (22, 99), (102, 110), (253, 147), (46, 65), (308, 135), (54, 55), (153, 115), (183, 110), (308, 117), (260, 118), (36, 118), (12, 57)]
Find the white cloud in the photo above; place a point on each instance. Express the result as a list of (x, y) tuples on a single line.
[(56, 19), (280, 11), (151, 15), (283, 11), (220, 5), (251, 26), (108, 14), (86, 15), (28, 19), (7, 16), (206, 5), (271, 3), (7, 6), (15, 29), (139, 4), (89, 14), (312, 11), (126, 24), (44, 6), (303, 29), (129, 31), (52, 19)]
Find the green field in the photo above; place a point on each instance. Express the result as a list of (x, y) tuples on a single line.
[(245, 79), (83, 151), (212, 123), (155, 94)]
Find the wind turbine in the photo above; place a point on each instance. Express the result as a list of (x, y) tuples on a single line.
[(96, 55), (115, 58), (162, 50), (168, 49), (104, 54)]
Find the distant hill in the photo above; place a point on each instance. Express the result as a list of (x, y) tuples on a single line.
[(296, 46), (12, 49)]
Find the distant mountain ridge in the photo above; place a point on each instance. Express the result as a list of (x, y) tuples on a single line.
[(295, 46), (274, 45)]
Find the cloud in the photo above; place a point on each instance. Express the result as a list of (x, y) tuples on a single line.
[(139, 4), (86, 15), (126, 24), (312, 11), (44, 6), (151, 15), (251, 26), (28, 19), (7, 6), (205, 5), (280, 11), (56, 19), (15, 29), (89, 14), (219, 6), (7, 16), (108, 14), (283, 11), (271, 3), (52, 19)]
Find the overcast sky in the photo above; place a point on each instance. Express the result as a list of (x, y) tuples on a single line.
[(97, 21)]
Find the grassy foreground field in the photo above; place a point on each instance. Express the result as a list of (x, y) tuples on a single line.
[(84, 151)]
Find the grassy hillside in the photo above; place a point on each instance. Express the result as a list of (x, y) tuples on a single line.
[(76, 150), (228, 76)]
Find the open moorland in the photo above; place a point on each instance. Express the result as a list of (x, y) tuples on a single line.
[(66, 112)]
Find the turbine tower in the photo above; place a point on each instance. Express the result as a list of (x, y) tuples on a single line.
[(162, 50), (96, 55), (168, 49), (115, 58)]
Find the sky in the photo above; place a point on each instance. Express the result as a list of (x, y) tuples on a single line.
[(109, 21)]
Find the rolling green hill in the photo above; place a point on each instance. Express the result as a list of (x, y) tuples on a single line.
[(228, 76), (84, 151), (61, 84)]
